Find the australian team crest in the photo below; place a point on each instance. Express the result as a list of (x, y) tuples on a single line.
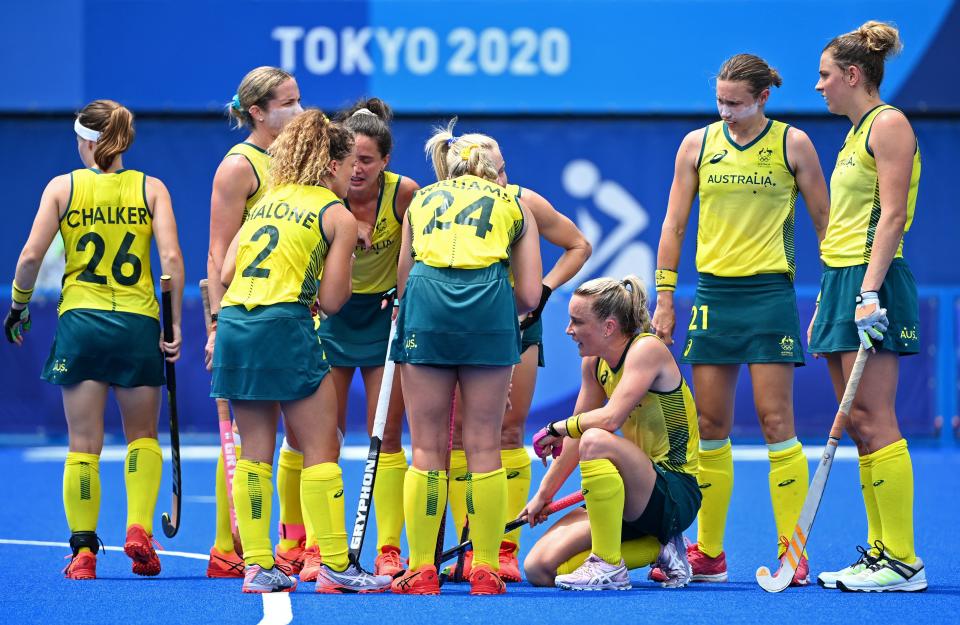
[(764, 156), (787, 344)]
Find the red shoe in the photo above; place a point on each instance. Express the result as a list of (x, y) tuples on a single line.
[(139, 546), (705, 568), (311, 564), (485, 581), (423, 581), (389, 562), (290, 561), (82, 566), (223, 565), (801, 576), (509, 564)]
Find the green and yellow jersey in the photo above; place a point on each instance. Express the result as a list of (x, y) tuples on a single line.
[(465, 223), (663, 425), (375, 269), (747, 198), (281, 248), (259, 160), (855, 198), (107, 229)]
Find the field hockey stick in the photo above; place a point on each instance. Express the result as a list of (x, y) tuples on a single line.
[(438, 551), (227, 443), (801, 532), (373, 455), (171, 522), (570, 500)]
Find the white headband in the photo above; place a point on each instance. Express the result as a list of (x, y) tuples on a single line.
[(83, 132), (363, 111)]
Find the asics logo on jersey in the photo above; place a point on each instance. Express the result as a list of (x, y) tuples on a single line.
[(877, 483), (512, 475), (716, 158), (338, 494), (786, 482), (705, 485), (584, 492)]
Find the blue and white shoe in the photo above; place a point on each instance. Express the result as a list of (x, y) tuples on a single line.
[(351, 580), (257, 579), (596, 574)]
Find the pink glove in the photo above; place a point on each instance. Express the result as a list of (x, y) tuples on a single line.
[(540, 448)]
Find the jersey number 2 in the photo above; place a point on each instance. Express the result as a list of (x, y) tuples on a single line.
[(254, 270)]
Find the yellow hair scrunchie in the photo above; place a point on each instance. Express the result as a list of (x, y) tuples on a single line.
[(465, 152)]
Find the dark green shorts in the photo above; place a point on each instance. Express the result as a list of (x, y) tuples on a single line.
[(270, 353), (357, 335), (834, 329), (451, 317), (119, 348), (534, 336), (672, 508), (743, 320)]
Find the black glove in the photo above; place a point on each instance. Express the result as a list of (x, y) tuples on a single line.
[(536, 312), (17, 322), (389, 299)]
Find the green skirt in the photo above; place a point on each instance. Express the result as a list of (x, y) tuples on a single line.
[(534, 336), (451, 317), (357, 335), (270, 353), (119, 348), (834, 329), (745, 320), (672, 508)]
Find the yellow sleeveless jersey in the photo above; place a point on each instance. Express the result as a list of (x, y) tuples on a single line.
[(466, 223), (855, 199), (375, 269), (747, 198), (281, 248), (259, 159), (663, 425), (107, 229)]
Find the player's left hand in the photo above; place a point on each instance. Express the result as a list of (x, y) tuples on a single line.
[(534, 314), (16, 324), (871, 320), (547, 443), (172, 349), (364, 234)]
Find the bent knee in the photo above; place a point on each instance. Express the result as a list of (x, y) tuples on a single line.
[(595, 443), (537, 572)]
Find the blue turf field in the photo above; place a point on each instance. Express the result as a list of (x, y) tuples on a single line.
[(35, 592)]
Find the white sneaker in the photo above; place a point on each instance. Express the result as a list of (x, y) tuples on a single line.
[(353, 579), (887, 575), (673, 563), (596, 574), (828, 579)]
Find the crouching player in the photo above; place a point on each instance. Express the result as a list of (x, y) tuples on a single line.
[(640, 489)]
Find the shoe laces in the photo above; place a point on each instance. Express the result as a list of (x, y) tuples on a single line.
[(391, 557)]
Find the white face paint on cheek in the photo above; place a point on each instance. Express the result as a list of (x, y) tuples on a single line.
[(737, 113)]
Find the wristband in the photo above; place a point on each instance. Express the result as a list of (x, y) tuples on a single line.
[(214, 317), (552, 429), (20, 296), (868, 297), (666, 280), (573, 426)]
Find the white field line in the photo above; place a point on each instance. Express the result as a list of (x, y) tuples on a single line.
[(277, 609), (358, 453)]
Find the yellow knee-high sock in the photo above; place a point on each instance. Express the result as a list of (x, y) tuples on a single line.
[(892, 474), (457, 492), (289, 468), (874, 526), (516, 462), (388, 498), (487, 512), (321, 487), (424, 504), (789, 478), (142, 478), (637, 553), (604, 495), (716, 485), (81, 492), (223, 540), (253, 500)]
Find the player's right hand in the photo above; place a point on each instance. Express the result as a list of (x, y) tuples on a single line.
[(533, 512), (16, 324), (664, 320), (364, 235)]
